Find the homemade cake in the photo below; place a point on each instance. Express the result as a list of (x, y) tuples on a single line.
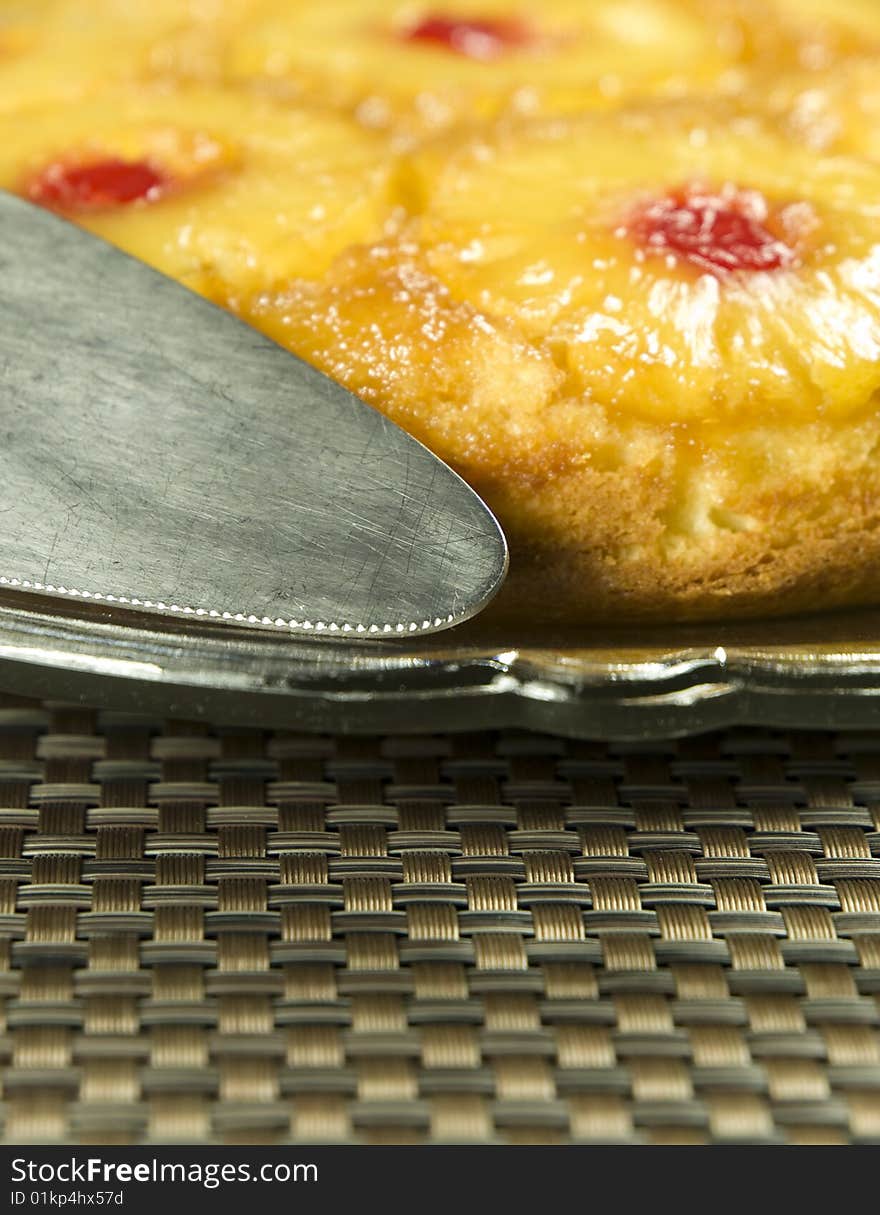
[(616, 263)]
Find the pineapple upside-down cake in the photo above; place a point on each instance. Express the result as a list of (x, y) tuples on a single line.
[(618, 263)]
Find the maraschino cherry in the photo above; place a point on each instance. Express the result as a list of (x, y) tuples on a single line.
[(482, 38), (96, 185), (715, 231)]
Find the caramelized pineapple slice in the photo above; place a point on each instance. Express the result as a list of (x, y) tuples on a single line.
[(423, 66), (822, 31), (681, 268), (227, 193), (787, 35), (60, 50), (834, 111)]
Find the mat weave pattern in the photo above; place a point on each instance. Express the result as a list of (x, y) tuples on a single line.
[(236, 937)]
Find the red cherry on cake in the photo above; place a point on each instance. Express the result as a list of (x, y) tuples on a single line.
[(96, 185), (715, 231), (475, 37)]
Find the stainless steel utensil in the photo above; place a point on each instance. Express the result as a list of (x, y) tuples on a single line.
[(158, 455)]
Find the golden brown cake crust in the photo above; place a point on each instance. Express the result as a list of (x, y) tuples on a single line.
[(826, 562), (632, 544)]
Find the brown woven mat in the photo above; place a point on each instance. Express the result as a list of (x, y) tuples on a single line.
[(229, 936)]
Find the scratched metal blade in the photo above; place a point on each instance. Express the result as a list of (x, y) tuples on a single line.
[(156, 452)]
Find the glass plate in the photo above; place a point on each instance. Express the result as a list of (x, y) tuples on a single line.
[(818, 671)]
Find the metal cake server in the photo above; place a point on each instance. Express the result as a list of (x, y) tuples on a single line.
[(158, 454)]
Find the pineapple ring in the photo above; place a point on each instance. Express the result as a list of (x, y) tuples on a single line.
[(822, 31), (538, 223), (62, 50), (834, 111), (256, 192), (559, 56), (794, 34)]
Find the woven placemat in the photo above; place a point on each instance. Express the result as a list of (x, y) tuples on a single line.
[(229, 936)]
